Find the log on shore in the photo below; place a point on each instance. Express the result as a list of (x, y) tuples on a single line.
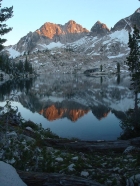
[(54, 179), (90, 146)]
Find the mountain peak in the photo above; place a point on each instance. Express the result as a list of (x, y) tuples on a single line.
[(71, 22), (51, 30), (99, 29), (102, 25), (72, 27), (138, 10), (128, 22), (98, 22)]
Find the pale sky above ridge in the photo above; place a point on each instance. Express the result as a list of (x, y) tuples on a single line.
[(30, 15)]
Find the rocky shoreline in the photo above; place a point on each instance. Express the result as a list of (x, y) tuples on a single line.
[(110, 167)]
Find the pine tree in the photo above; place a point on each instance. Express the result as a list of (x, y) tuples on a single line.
[(20, 66), (26, 65), (5, 14), (101, 68), (118, 67), (133, 60)]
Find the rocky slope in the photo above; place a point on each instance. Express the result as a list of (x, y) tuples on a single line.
[(99, 29), (51, 30), (49, 33), (70, 48), (128, 22)]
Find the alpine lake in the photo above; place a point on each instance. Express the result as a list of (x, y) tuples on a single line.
[(73, 105)]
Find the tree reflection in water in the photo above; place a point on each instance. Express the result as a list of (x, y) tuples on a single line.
[(131, 123), (12, 87)]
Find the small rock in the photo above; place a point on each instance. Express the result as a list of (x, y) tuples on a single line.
[(84, 173), (12, 161), (59, 159), (125, 160), (30, 129), (49, 149), (12, 134), (75, 158), (104, 164), (133, 160), (133, 180), (129, 156), (23, 142), (70, 167), (116, 169), (129, 149), (27, 138)]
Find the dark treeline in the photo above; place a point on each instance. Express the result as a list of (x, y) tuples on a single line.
[(131, 124), (11, 88), (22, 68)]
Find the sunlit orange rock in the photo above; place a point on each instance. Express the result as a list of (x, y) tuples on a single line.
[(53, 113), (76, 114), (104, 115), (50, 29)]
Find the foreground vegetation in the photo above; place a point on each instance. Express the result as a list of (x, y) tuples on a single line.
[(23, 145), (19, 69)]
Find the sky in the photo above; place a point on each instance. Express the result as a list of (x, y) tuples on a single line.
[(29, 15)]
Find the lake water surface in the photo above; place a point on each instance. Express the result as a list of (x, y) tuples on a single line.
[(73, 106)]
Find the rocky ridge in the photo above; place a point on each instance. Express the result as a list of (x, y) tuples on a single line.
[(128, 22), (99, 29), (49, 33), (51, 30), (71, 48)]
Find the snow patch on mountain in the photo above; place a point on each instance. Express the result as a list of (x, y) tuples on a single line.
[(54, 45), (121, 36), (119, 55), (51, 45), (13, 53), (85, 40)]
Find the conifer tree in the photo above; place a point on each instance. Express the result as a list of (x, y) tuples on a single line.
[(26, 65), (118, 67), (5, 14), (133, 60)]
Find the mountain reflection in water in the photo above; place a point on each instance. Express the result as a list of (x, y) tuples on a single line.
[(94, 104), (57, 111)]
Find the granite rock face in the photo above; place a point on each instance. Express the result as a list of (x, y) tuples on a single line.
[(70, 48), (128, 22), (28, 42), (51, 30), (48, 33), (99, 29)]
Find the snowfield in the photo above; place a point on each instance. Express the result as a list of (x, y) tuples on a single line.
[(13, 53)]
